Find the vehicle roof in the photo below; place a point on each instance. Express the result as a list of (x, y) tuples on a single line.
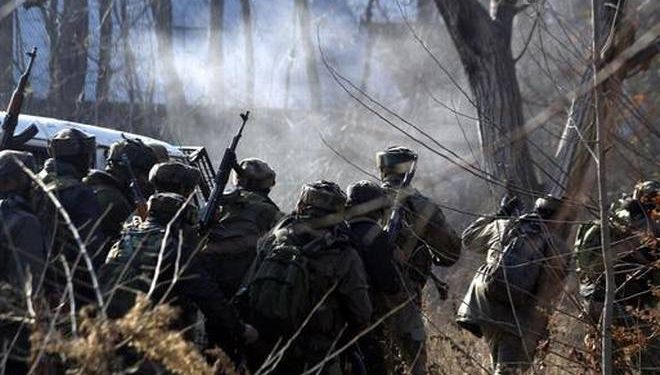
[(104, 136)]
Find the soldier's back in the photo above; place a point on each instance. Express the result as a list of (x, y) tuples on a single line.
[(232, 243)]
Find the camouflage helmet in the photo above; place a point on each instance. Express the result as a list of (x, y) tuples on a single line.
[(12, 176), (547, 206), (71, 142), (141, 156), (174, 177), (162, 207), (254, 174), (366, 191), (160, 151), (322, 195), (395, 159), (647, 191)]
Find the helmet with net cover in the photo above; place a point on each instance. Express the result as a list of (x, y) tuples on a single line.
[(174, 177), (141, 156), (255, 174), (325, 196)]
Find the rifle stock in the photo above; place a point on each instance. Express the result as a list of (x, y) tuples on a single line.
[(221, 178), (138, 198), (10, 121)]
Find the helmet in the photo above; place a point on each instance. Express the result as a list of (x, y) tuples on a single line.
[(160, 151), (365, 191), (174, 177), (322, 195), (547, 206), (141, 156), (395, 159), (12, 176), (70, 143), (255, 174), (647, 191), (162, 207)]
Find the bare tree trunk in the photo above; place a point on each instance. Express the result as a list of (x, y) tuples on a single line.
[(6, 57), (70, 68), (426, 12), (483, 42), (369, 43), (246, 18), (105, 51), (175, 96), (306, 32), (216, 22)]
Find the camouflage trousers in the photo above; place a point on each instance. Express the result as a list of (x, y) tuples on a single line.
[(509, 353), (407, 332)]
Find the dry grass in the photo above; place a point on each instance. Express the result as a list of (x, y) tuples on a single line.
[(145, 328)]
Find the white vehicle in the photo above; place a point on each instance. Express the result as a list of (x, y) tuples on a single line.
[(105, 137)]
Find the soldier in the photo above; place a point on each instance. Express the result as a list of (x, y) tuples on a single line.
[(248, 214), (112, 186), (426, 240), (22, 256), (511, 297), (368, 202), (307, 265), (72, 152), (132, 263), (634, 226)]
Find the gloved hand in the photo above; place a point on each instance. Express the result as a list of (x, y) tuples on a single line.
[(510, 206), (250, 334)]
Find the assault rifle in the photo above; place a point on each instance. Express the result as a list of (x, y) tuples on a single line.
[(138, 198), (395, 223), (9, 140), (216, 199)]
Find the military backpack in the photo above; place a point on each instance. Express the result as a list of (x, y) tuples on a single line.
[(511, 278)]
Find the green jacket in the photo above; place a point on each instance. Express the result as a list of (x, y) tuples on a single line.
[(484, 236), (426, 239)]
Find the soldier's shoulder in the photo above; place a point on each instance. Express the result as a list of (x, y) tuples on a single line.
[(99, 178), (19, 213)]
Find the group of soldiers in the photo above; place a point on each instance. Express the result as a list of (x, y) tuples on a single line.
[(334, 287)]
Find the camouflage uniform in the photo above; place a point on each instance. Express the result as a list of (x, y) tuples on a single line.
[(132, 262), (498, 322), (247, 216), (335, 261), (71, 152), (22, 256), (112, 186), (425, 240), (372, 244), (632, 227)]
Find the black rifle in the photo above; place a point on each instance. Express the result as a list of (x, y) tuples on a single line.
[(226, 165), (138, 198), (9, 140), (395, 223)]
